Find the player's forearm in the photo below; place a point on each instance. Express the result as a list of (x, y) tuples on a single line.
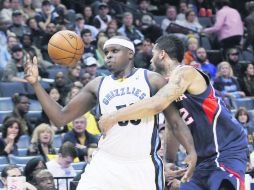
[(141, 109), (183, 135), (51, 107)]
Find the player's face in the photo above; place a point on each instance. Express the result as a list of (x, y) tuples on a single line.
[(156, 63), (117, 58)]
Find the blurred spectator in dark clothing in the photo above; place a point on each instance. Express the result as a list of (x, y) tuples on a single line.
[(31, 167), (206, 66), (18, 27), (228, 25), (249, 23), (11, 131), (142, 58), (128, 29), (61, 84), (88, 14), (36, 33), (103, 18), (80, 137), (183, 8), (143, 6), (46, 15), (247, 80), (90, 49), (149, 28), (85, 78), (232, 56), (50, 31), (21, 107)]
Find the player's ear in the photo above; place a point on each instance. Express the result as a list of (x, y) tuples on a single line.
[(162, 54), (131, 54)]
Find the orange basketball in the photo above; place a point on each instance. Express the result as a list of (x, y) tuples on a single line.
[(65, 48)]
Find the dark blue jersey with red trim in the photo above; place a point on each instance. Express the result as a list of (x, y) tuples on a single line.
[(217, 134)]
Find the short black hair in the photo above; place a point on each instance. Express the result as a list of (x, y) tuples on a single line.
[(68, 149), (31, 167), (16, 98), (172, 45), (4, 173), (85, 31)]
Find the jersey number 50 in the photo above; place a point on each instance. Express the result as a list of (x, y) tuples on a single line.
[(125, 123)]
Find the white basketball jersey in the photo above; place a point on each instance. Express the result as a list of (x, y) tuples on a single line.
[(134, 139)]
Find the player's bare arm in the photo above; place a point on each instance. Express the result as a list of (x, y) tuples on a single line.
[(183, 135), (182, 79), (82, 103)]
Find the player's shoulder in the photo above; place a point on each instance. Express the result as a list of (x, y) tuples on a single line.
[(185, 71), (156, 80)]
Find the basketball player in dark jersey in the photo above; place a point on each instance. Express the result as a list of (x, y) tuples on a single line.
[(219, 139)]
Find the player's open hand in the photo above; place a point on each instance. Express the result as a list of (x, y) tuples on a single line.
[(31, 70), (106, 122), (190, 161)]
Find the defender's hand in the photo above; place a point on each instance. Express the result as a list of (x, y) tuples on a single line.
[(31, 70), (191, 161), (106, 122)]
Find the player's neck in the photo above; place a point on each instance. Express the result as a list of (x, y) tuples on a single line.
[(125, 73), (169, 68)]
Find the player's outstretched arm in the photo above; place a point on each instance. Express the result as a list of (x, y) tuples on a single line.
[(179, 82), (82, 103)]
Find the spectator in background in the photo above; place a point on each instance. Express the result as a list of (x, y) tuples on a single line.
[(73, 74), (90, 49), (249, 23), (46, 15), (14, 171), (6, 10), (73, 92), (128, 29), (88, 14), (226, 82), (85, 78), (55, 95), (243, 117), (80, 137), (232, 57), (14, 70), (183, 8), (103, 18), (99, 51), (21, 107), (228, 25), (190, 54), (81, 25), (43, 180), (143, 10), (5, 51), (28, 9), (31, 167), (192, 22), (4, 25), (203, 7), (91, 67), (61, 167), (18, 27), (142, 58), (247, 80), (11, 131), (111, 31), (36, 32), (171, 14), (41, 142), (60, 84), (206, 66)]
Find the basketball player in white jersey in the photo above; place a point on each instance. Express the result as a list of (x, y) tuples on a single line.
[(126, 158)]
